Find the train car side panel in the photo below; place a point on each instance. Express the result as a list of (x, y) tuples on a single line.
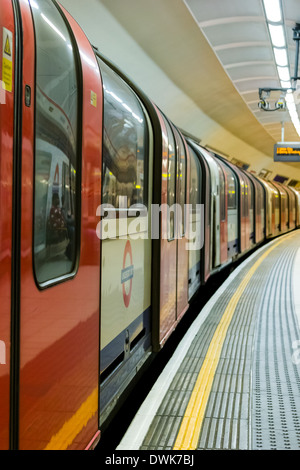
[(182, 199), (168, 267), (60, 263), (7, 92)]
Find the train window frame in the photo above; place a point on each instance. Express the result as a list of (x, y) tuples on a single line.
[(222, 192), (117, 211), (195, 159), (59, 279), (171, 133), (182, 204), (231, 175)]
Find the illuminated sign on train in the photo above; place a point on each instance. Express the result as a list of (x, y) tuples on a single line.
[(287, 152)]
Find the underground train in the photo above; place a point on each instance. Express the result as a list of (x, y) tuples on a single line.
[(88, 296)]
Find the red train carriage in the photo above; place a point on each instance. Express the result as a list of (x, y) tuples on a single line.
[(6, 214), (92, 281), (50, 163)]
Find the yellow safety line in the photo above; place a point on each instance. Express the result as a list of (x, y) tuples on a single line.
[(66, 435), (190, 428)]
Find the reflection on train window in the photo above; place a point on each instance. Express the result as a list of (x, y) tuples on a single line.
[(247, 199), (231, 188), (194, 180), (182, 181), (222, 194), (171, 191), (125, 145), (55, 146)]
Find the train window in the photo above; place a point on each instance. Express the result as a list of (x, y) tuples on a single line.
[(125, 143), (247, 199), (222, 194), (194, 180), (56, 137), (243, 197), (171, 191), (181, 170), (231, 188), (251, 189)]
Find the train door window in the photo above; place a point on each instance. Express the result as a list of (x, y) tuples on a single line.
[(277, 209), (286, 207), (222, 194), (171, 191), (195, 195), (251, 207), (182, 181), (247, 198), (125, 144), (243, 207), (56, 140), (231, 189)]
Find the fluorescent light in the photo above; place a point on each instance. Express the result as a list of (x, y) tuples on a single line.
[(292, 109), (286, 84), (53, 27), (273, 10), (277, 35), (289, 98), (34, 4), (281, 57), (284, 73)]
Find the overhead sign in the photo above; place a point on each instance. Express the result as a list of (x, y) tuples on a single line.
[(287, 152)]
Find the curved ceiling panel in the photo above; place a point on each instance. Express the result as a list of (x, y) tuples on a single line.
[(239, 35)]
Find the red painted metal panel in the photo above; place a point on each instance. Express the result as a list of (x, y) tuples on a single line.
[(6, 164), (60, 325)]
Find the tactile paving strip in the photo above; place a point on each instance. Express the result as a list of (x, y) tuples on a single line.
[(165, 425), (276, 382), (228, 417)]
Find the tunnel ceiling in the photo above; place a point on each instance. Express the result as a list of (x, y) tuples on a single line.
[(219, 53)]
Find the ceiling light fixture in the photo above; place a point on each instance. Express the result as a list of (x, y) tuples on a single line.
[(284, 73), (277, 35), (273, 10), (286, 84), (274, 16), (280, 57)]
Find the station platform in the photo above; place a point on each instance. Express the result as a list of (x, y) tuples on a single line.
[(234, 380)]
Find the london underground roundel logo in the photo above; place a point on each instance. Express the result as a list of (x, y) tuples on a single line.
[(127, 274)]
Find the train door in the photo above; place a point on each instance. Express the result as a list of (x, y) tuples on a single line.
[(292, 208), (55, 392), (252, 212), (7, 152), (126, 243), (168, 268), (182, 254), (244, 213), (195, 175), (232, 212), (223, 213), (282, 204), (174, 255), (215, 210)]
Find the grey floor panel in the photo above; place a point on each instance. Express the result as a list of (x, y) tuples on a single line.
[(276, 386), (255, 396)]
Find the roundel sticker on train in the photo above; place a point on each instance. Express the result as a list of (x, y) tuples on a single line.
[(127, 274)]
